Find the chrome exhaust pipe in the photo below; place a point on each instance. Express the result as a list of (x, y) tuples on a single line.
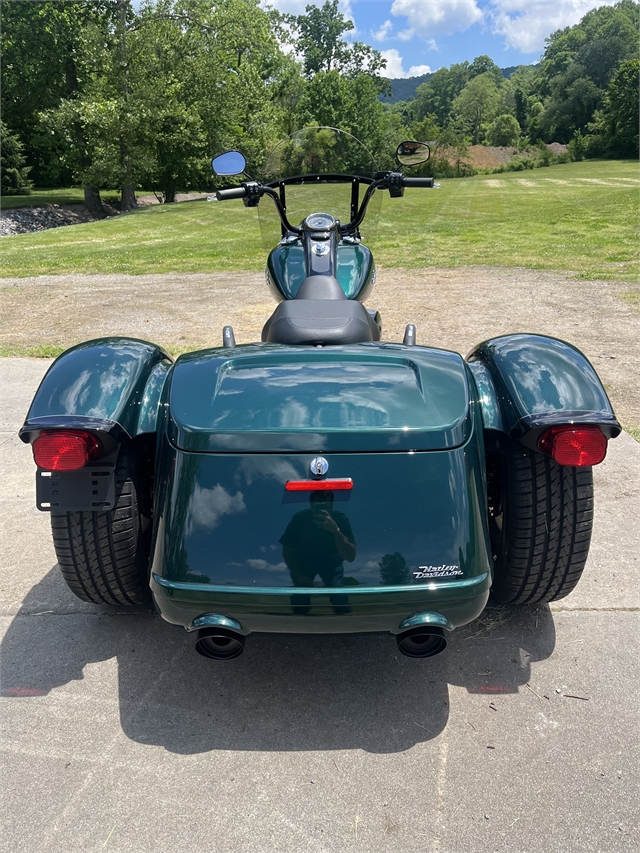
[(219, 643), (423, 642)]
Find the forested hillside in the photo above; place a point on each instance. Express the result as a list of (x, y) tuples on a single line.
[(104, 94)]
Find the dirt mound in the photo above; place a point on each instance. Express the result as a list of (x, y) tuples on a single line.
[(488, 157), (492, 156)]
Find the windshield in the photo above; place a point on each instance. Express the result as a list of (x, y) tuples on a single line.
[(325, 153)]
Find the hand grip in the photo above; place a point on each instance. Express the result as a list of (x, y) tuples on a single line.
[(234, 192), (418, 182)]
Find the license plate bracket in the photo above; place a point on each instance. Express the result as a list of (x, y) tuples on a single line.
[(91, 489)]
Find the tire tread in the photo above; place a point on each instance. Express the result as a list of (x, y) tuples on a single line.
[(547, 523), (103, 556)]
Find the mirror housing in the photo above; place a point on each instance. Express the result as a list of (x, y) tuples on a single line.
[(410, 153), (229, 163)]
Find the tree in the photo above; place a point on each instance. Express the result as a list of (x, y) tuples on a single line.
[(570, 107), (477, 104), (437, 96), (318, 38), (599, 42), (164, 87), (577, 147), (43, 63), (622, 109), (614, 130), (14, 173), (504, 130), (485, 65), (38, 46), (394, 570)]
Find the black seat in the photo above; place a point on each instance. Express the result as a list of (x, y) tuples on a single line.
[(320, 287), (320, 314)]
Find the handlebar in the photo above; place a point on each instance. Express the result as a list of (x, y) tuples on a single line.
[(251, 192), (234, 192), (418, 182)]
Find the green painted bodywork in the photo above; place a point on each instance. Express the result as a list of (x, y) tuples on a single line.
[(365, 397), (286, 270), (111, 384), (528, 383), (366, 610), (231, 541)]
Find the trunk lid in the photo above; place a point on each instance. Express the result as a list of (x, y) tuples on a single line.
[(367, 397)]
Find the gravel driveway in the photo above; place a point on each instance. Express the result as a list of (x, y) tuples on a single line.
[(452, 308)]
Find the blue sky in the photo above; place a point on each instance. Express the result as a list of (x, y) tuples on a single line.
[(417, 36)]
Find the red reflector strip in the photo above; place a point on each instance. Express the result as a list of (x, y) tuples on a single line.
[(575, 446), (319, 485)]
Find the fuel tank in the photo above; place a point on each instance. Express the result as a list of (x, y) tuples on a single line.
[(286, 270), (402, 424)]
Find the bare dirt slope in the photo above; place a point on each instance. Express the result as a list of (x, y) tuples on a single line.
[(452, 308)]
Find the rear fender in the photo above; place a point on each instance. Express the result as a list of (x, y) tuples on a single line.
[(110, 386), (528, 383)]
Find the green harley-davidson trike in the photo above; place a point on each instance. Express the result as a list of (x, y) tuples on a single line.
[(322, 480)]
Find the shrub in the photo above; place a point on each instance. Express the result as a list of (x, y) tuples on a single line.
[(503, 131), (577, 146), (14, 175)]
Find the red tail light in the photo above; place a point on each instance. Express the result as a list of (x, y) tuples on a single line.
[(575, 446), (319, 485), (65, 450)]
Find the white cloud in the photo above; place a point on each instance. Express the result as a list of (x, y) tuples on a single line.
[(526, 23), (383, 32), (419, 70), (394, 68), (264, 566), (207, 506), (438, 17), (406, 35)]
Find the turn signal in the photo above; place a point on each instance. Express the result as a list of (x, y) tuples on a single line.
[(575, 446), (319, 485), (66, 450)]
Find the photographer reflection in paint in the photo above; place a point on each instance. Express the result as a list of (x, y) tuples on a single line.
[(316, 542)]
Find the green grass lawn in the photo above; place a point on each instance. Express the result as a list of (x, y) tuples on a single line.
[(581, 217)]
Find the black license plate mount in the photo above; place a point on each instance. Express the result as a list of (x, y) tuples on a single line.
[(91, 489)]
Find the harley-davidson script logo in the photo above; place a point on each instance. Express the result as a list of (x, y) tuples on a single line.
[(436, 572)]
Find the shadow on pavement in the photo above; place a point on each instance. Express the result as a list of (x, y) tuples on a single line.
[(286, 692)]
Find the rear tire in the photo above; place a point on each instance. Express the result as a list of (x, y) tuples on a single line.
[(104, 556), (541, 522)]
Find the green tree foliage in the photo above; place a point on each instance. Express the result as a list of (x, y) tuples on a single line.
[(478, 104), (485, 65), (579, 63), (621, 110), (318, 38), (394, 570), (574, 98), (503, 130), (437, 96), (14, 173), (43, 60), (164, 87), (614, 131)]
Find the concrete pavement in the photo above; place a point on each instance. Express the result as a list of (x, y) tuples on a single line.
[(117, 736)]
